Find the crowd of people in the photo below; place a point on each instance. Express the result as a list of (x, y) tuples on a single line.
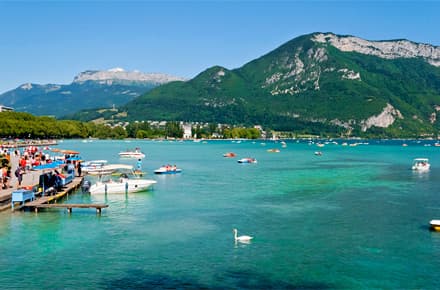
[(29, 158), (5, 166)]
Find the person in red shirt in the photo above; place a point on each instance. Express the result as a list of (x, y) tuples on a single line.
[(23, 162)]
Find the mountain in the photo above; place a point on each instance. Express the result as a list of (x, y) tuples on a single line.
[(320, 83), (89, 89)]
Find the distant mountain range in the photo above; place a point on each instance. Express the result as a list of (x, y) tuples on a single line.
[(89, 89), (317, 83), (320, 83)]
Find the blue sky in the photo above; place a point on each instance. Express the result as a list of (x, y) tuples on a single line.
[(52, 41)]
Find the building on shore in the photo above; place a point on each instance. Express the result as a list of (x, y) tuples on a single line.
[(5, 109), (187, 131)]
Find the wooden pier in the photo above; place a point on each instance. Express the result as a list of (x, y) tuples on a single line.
[(45, 201), (30, 181), (69, 206), (70, 187)]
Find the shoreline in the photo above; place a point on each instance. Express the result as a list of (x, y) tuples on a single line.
[(14, 144)]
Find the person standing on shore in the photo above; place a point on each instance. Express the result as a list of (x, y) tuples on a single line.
[(3, 174), (7, 178)]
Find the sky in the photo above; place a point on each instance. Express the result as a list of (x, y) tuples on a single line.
[(52, 41)]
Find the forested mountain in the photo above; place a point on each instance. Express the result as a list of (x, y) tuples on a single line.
[(316, 83), (90, 89)]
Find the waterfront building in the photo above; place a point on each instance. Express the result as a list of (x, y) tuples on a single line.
[(5, 109)]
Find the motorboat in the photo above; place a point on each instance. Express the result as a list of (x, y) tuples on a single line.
[(273, 150), (127, 181), (247, 160), (93, 167), (136, 153), (421, 164), (435, 225), (229, 154), (167, 170), (103, 170)]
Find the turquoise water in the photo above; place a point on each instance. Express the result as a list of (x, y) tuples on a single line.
[(355, 217)]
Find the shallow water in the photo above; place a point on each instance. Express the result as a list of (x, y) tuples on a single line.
[(355, 217)]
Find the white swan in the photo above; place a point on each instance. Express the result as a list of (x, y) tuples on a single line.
[(241, 238)]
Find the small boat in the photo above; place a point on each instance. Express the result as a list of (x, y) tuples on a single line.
[(103, 170), (247, 160), (318, 153), (127, 182), (435, 225), (421, 164), (167, 170), (136, 153), (229, 154), (273, 150), (93, 165)]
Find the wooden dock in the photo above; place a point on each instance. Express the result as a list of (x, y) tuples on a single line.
[(70, 187), (44, 201), (69, 206)]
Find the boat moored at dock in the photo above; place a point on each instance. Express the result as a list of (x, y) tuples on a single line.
[(93, 166), (127, 182)]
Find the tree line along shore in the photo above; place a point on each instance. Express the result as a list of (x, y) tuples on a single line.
[(26, 126)]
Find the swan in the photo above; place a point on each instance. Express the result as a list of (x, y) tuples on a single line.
[(241, 238)]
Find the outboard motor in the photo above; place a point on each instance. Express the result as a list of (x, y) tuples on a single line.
[(85, 186)]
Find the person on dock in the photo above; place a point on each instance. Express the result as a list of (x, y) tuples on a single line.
[(78, 168), (19, 174)]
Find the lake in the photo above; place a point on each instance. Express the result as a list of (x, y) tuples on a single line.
[(355, 217)]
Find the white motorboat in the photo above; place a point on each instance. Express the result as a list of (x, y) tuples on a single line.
[(421, 164), (126, 182), (167, 170), (93, 166), (247, 160), (132, 154), (104, 170)]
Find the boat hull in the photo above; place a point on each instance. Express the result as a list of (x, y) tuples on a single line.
[(247, 160), (161, 171), (435, 225), (131, 155), (420, 168), (121, 187)]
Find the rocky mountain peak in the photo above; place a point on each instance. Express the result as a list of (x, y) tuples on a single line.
[(26, 86), (389, 49), (119, 74)]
